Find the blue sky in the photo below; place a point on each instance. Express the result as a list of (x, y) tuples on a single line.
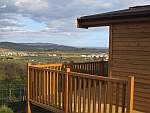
[(33, 25), (52, 21)]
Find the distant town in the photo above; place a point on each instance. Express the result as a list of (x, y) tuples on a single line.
[(53, 54)]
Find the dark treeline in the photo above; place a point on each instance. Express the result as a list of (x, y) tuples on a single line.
[(12, 74)]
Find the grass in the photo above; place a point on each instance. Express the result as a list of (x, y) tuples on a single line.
[(5, 109)]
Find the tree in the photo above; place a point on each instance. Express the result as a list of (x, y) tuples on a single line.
[(94, 57), (21, 71), (10, 74)]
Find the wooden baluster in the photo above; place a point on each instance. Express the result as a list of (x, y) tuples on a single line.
[(123, 97), (70, 94), (30, 83), (117, 98), (63, 92), (80, 68), (49, 92), (39, 86), (33, 84), (101, 69), (94, 69), (100, 97), (79, 95), (89, 95), (66, 91), (60, 90), (94, 96), (89, 68), (42, 86), (52, 89), (36, 85), (86, 68), (111, 97), (105, 97), (84, 95), (56, 87), (75, 93), (33, 88), (45, 87)]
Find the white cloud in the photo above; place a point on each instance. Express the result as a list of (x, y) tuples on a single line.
[(3, 6), (66, 33), (50, 30), (11, 29), (10, 22)]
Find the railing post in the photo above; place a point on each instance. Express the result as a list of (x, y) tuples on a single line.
[(28, 90), (66, 91), (130, 94)]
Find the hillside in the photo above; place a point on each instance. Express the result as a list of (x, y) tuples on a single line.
[(49, 46), (16, 47), (34, 46)]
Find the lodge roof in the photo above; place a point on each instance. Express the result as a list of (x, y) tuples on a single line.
[(132, 12)]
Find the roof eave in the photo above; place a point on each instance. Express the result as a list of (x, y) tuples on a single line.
[(106, 20)]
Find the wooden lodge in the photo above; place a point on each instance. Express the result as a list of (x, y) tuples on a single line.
[(129, 47), (100, 87)]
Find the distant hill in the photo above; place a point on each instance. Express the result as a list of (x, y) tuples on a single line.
[(34, 46), (41, 47), (16, 46), (49, 46)]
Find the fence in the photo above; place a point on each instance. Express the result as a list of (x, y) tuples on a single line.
[(8, 96)]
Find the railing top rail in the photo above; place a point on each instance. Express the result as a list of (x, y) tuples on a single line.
[(89, 62), (47, 65), (49, 70), (108, 79)]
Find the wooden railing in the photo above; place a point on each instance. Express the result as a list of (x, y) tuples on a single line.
[(95, 68), (96, 98), (59, 90)]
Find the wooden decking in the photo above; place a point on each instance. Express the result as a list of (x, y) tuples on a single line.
[(69, 92)]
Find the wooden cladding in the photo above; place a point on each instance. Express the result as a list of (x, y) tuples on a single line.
[(131, 56), (65, 91)]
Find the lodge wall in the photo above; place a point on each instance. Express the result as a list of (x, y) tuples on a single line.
[(131, 57)]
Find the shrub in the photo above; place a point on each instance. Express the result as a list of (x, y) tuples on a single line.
[(5, 109)]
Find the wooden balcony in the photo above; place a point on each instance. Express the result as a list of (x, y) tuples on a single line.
[(78, 88)]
